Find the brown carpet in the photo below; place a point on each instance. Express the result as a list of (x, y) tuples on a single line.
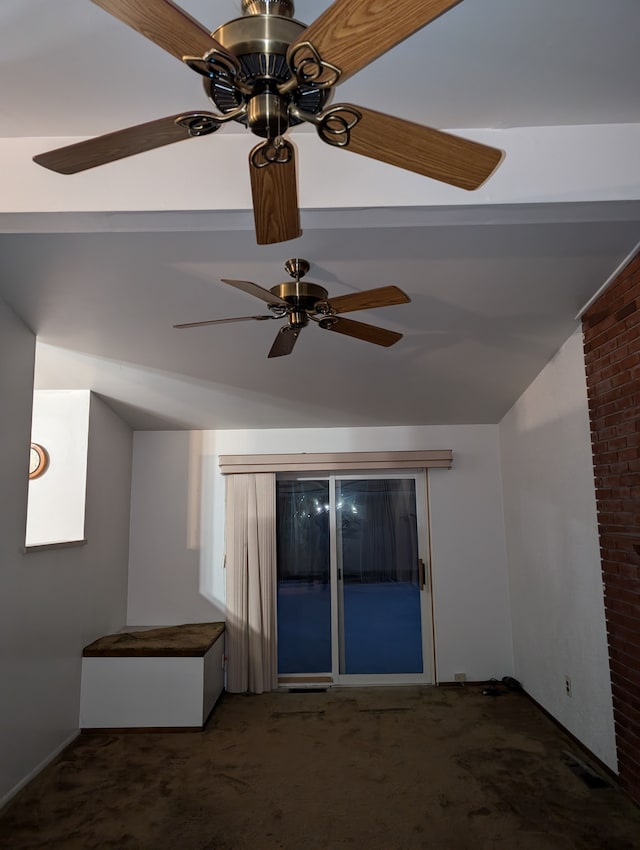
[(377, 769)]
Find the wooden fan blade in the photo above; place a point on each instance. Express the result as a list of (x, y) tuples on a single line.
[(383, 296), (118, 145), (258, 291), (224, 321), (359, 330), (352, 33), (167, 25), (275, 192), (432, 153), (284, 342)]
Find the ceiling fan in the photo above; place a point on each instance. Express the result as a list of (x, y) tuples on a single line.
[(301, 302), (271, 72)]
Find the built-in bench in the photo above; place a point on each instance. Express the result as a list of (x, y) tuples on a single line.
[(157, 678)]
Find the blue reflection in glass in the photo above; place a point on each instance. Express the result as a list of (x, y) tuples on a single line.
[(304, 600)]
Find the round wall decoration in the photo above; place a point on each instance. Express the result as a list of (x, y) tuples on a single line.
[(38, 460)]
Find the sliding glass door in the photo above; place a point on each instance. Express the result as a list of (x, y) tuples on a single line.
[(353, 594)]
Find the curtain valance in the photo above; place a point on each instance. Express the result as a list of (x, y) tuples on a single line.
[(335, 461)]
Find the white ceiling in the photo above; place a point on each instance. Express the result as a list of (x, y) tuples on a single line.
[(70, 69), (494, 292)]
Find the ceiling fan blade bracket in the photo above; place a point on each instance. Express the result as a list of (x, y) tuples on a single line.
[(309, 68), (204, 123), (272, 151), (333, 125), (199, 123), (215, 64), (279, 310), (327, 322), (323, 308)]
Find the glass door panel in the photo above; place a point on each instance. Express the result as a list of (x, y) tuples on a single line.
[(303, 597), (378, 576)]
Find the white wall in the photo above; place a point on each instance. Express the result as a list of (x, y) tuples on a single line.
[(176, 570), (543, 164), (557, 602), (170, 566), (56, 505), (54, 601)]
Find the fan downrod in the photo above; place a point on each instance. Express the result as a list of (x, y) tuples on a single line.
[(283, 8)]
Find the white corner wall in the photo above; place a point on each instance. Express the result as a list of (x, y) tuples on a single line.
[(57, 600), (56, 505), (171, 573), (557, 603), (177, 530)]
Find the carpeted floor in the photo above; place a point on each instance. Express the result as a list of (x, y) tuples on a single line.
[(351, 769)]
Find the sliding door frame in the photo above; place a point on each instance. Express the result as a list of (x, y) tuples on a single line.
[(426, 595)]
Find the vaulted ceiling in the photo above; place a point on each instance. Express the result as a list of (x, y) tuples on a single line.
[(102, 264)]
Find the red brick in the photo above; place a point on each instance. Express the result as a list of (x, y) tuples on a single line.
[(622, 679), (614, 493), (630, 762), (632, 694), (627, 728), (630, 611), (623, 377), (624, 583), (611, 341), (623, 312), (616, 443), (629, 622)]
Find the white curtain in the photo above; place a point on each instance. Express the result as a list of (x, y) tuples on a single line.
[(251, 583)]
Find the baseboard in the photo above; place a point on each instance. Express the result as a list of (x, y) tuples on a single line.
[(36, 770), (136, 730)]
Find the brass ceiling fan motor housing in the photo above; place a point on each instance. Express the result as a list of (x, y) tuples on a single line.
[(303, 297), (260, 40)]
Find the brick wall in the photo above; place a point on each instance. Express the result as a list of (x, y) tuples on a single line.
[(611, 328)]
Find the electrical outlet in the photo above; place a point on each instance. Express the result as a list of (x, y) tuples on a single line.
[(460, 677), (567, 686)]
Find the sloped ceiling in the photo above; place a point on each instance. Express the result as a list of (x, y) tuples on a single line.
[(495, 284)]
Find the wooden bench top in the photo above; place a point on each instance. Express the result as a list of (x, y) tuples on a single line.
[(188, 640)]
